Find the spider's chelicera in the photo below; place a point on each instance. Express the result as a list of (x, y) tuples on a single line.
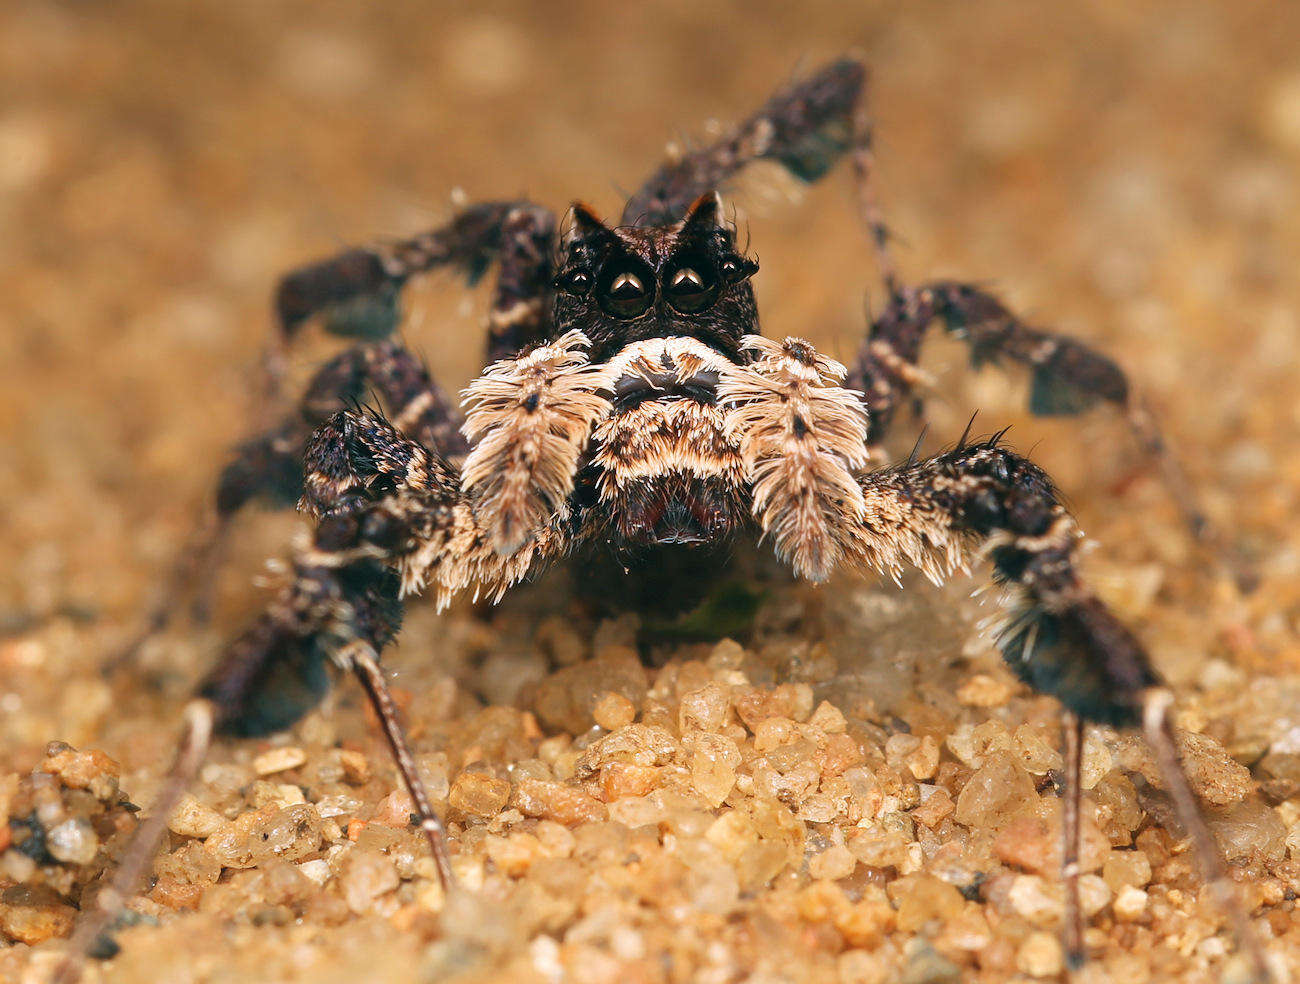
[(631, 405)]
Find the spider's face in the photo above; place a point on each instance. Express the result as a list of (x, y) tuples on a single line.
[(664, 309), (627, 284)]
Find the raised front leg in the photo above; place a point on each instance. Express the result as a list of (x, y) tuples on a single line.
[(357, 292), (805, 127)]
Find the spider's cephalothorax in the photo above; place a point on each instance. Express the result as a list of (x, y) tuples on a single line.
[(628, 283), (630, 402)]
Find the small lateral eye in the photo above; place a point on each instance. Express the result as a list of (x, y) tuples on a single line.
[(734, 269), (574, 282)]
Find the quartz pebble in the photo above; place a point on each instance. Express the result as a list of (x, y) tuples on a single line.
[(613, 711), (478, 795), (1130, 903), (1040, 955), (279, 760)]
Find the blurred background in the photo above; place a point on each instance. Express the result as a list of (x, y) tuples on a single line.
[(1124, 171)]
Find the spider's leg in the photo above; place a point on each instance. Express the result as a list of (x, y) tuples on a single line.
[(270, 466), (1057, 636), (1071, 834), (357, 292), (805, 127), (1067, 377), (392, 516)]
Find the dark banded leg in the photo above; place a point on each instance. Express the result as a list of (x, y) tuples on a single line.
[(365, 663), (357, 292), (1057, 636), (1067, 378), (805, 127), (1071, 830), (378, 497), (270, 466)]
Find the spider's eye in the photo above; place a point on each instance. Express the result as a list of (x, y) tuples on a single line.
[(624, 290), (734, 269), (573, 282), (690, 287)]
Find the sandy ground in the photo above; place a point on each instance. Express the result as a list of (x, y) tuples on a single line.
[(1125, 171)]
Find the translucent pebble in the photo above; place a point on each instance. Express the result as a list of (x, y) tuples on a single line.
[(759, 863), (828, 718), (727, 654), (317, 870), (995, 793), (192, 819), (1040, 955), (936, 804), (566, 699), (613, 711), (1094, 894), (558, 801), (866, 797), (1036, 900), (279, 760), (33, 920), (971, 744), (837, 861), (1250, 831), (921, 899), (774, 732), (986, 690), (364, 877), (513, 855), (72, 842), (877, 847), (1130, 904), (705, 708), (291, 834), (90, 769), (712, 778), (642, 744), (1123, 868), (394, 810), (622, 779), (732, 833), (1097, 760), (1037, 754), (926, 966), (479, 795), (637, 811), (356, 768)]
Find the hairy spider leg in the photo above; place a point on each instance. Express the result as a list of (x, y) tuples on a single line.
[(1067, 377), (1057, 635), (805, 127), (1071, 834), (270, 466), (357, 292), (380, 498)]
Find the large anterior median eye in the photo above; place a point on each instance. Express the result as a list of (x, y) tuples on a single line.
[(626, 289), (690, 285)]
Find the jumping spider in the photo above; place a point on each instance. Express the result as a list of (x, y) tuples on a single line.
[(631, 405)]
